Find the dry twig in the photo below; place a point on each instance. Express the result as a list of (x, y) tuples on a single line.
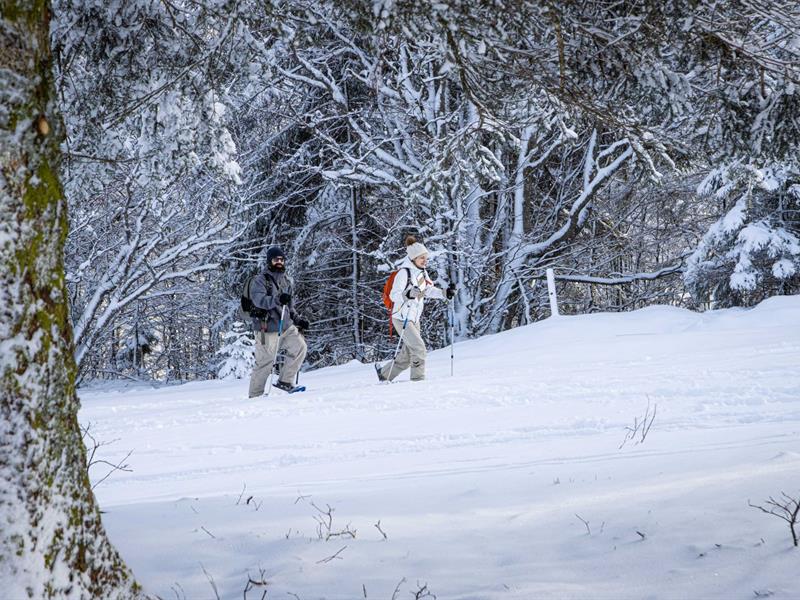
[(423, 592), (261, 581), (378, 527), (641, 428), (333, 556), (244, 487), (93, 446), (325, 525), (397, 588), (786, 508), (211, 581), (585, 522)]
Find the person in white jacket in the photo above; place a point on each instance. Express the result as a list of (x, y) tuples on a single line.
[(410, 288)]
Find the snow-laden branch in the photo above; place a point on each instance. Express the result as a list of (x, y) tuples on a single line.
[(155, 253), (577, 212), (373, 146), (675, 269)]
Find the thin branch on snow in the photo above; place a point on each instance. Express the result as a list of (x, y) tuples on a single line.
[(397, 588), (301, 497), (177, 589), (211, 582), (334, 556), (641, 427), (423, 592), (585, 523), (378, 527)]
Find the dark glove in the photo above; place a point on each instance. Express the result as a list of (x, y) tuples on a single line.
[(451, 291), (285, 298), (302, 324), (413, 293)]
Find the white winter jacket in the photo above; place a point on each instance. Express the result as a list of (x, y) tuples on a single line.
[(408, 307)]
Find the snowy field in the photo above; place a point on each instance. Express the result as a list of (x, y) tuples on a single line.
[(479, 481)]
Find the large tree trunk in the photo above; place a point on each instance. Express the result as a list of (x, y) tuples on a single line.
[(52, 542)]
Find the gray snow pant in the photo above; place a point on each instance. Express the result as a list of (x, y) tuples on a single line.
[(412, 353), (292, 342)]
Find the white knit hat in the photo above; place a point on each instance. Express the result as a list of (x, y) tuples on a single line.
[(416, 250)]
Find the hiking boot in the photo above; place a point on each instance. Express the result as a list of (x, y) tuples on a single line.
[(378, 372), (286, 387)]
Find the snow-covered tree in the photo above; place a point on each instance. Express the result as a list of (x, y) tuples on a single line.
[(150, 159), (511, 138), (126, 251), (753, 250), (53, 544), (143, 106), (238, 352)]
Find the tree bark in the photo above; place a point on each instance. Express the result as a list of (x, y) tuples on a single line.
[(53, 544)]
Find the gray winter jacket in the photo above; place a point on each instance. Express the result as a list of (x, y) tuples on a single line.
[(265, 288)]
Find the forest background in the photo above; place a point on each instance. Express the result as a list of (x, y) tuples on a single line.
[(151, 150), (645, 151)]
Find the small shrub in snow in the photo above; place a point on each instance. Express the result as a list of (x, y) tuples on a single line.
[(259, 581), (786, 508), (238, 352), (325, 530)]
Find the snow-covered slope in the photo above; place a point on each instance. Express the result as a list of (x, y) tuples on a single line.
[(479, 481)]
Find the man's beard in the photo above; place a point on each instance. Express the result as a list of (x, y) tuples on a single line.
[(278, 268)]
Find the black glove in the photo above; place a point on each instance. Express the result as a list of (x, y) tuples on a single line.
[(284, 298), (451, 291), (302, 324)]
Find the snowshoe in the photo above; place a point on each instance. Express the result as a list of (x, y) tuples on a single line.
[(289, 388)]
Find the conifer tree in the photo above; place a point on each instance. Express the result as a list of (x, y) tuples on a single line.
[(238, 352)]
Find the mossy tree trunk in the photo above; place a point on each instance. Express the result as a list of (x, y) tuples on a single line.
[(52, 541)]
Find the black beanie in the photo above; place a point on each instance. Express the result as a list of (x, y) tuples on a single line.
[(274, 252)]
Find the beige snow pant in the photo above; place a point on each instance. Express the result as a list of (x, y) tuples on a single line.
[(292, 342), (412, 353)]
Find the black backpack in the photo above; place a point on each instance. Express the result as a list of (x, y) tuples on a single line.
[(249, 310)]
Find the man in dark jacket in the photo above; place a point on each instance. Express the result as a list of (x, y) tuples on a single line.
[(271, 291)]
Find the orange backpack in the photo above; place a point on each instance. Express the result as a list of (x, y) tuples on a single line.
[(387, 290)]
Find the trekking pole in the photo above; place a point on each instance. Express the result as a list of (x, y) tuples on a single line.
[(397, 349), (277, 349), (451, 314)]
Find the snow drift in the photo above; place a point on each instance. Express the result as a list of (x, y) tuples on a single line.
[(505, 481)]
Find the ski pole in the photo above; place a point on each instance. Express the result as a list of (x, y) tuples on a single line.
[(399, 342), (277, 349), (452, 335)]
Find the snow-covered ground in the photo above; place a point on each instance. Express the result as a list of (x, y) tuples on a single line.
[(479, 481)]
